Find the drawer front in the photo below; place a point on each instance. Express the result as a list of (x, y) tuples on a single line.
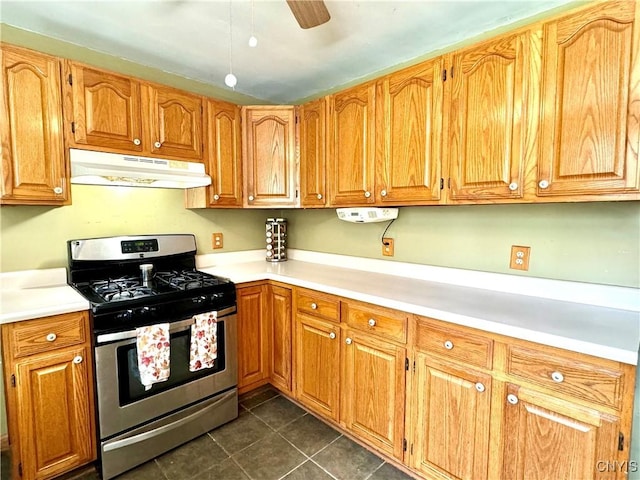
[(46, 334), (318, 304), (454, 343), (387, 323), (585, 380)]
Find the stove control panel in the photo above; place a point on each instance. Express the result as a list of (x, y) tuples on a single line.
[(139, 246)]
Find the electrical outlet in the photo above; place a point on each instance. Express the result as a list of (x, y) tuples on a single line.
[(217, 240), (520, 257), (387, 247)]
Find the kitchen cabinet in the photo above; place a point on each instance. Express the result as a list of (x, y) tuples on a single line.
[(253, 336), (313, 126), (34, 168), (492, 88), (351, 146), (409, 113), (117, 113), (281, 330), (49, 386), (590, 128), (270, 170)]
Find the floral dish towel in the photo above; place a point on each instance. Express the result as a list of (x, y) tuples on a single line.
[(153, 346), (204, 342)]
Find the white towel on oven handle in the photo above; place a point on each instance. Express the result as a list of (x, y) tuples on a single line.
[(153, 345), (204, 341)]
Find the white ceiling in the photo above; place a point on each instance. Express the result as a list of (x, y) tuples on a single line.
[(190, 38)]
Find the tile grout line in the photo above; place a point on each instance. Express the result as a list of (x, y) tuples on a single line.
[(377, 468)]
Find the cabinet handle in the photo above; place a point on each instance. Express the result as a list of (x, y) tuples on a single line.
[(136, 141), (543, 184), (448, 344), (157, 144), (480, 387), (319, 196), (557, 377), (332, 335), (367, 194), (216, 197), (513, 186), (251, 198), (383, 193), (314, 306), (348, 341), (77, 359), (512, 399), (51, 337), (57, 190), (372, 322)]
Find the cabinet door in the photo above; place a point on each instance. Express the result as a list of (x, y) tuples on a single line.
[(373, 391), (55, 413), (174, 122), (269, 142), (451, 417), (409, 134), (33, 160), (493, 89), (280, 298), (545, 437), (253, 337), (590, 134), (318, 365), (223, 154), (102, 109), (313, 191), (351, 146)]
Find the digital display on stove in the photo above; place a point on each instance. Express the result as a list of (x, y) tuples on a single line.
[(139, 246)]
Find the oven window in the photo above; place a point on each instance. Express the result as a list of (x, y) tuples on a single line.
[(131, 389)]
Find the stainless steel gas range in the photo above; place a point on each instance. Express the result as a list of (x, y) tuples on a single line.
[(149, 283)]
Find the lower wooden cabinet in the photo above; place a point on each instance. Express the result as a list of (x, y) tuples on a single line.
[(253, 339), (280, 333), (49, 388)]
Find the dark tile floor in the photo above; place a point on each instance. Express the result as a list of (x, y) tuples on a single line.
[(271, 439)]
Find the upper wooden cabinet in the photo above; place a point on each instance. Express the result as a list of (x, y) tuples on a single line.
[(269, 156), (590, 132), (492, 91), (119, 113), (409, 113), (351, 145), (312, 123), (33, 161)]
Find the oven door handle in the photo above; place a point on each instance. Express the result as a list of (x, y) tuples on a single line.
[(174, 327), (165, 428)]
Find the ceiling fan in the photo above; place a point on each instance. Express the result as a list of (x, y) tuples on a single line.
[(309, 13)]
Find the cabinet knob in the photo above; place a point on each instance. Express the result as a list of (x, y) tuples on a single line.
[(543, 184), (51, 337), (448, 344), (157, 144), (314, 306), (480, 387), (77, 359), (372, 322), (251, 198), (332, 335), (513, 186), (319, 196), (136, 141), (348, 341), (216, 197), (512, 399), (383, 193), (557, 377), (58, 190), (367, 194)]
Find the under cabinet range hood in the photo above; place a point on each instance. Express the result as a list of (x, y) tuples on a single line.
[(100, 168)]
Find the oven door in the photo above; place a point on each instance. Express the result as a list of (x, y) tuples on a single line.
[(123, 402)]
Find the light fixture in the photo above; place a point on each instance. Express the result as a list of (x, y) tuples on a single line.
[(230, 80), (253, 40)]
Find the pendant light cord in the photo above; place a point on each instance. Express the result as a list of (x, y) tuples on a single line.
[(230, 37)]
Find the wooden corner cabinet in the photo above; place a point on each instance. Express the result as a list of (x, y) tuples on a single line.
[(49, 386), (34, 169)]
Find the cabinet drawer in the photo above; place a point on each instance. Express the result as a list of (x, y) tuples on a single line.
[(453, 343), (377, 320), (581, 379), (318, 304), (46, 334)]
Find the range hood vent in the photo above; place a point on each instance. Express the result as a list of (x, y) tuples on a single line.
[(100, 168)]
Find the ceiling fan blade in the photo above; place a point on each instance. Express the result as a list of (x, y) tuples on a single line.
[(309, 13)]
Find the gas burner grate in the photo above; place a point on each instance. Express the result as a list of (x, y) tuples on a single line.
[(186, 279), (122, 288)]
